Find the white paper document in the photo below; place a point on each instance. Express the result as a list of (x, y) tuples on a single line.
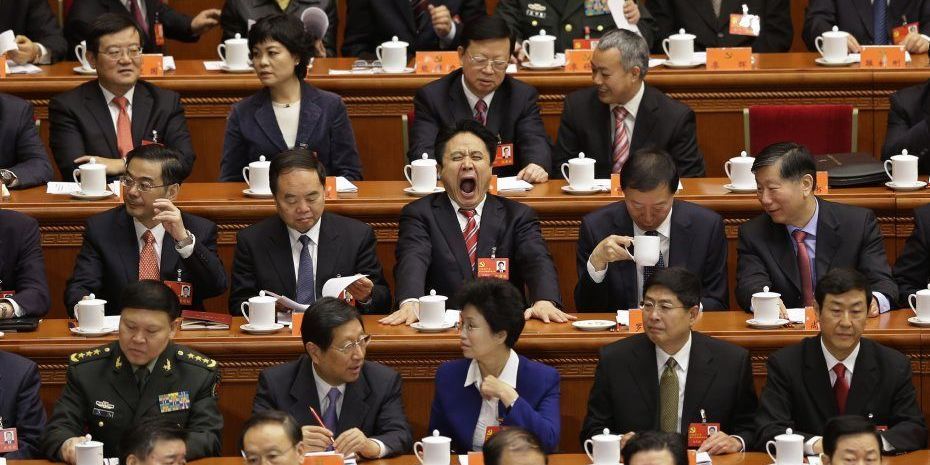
[(63, 188), (343, 185), (511, 183), (797, 315), (333, 286), (168, 63), (27, 68), (286, 302), (616, 10), (213, 65)]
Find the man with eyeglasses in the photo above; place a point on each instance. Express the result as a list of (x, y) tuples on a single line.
[(272, 437), (481, 90), (673, 379), (148, 237), (107, 117), (358, 402)]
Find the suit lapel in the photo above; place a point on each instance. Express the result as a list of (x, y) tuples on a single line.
[(310, 115), (452, 232), (130, 245), (602, 131), (279, 253), (264, 117), (141, 111), (623, 226), (303, 392), (458, 103), (645, 121), (681, 239), (644, 364), (327, 252), (828, 238), (817, 380), (499, 105), (701, 374), (97, 104), (864, 8), (783, 253), (864, 380), (492, 219), (354, 405), (705, 10), (169, 259)]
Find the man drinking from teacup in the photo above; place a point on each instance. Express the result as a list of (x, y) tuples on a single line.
[(673, 379), (294, 253), (148, 237), (141, 375), (341, 401), (107, 117), (800, 237), (451, 237), (609, 279), (840, 372)]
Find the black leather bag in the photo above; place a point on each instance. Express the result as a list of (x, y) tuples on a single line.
[(852, 169), (22, 324)]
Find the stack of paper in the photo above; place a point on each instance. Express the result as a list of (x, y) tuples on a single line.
[(27, 68), (343, 185), (511, 183)]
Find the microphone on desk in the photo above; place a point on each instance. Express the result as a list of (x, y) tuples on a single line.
[(315, 21)]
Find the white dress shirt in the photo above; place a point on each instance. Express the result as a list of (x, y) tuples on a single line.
[(632, 108), (488, 416), (322, 391), (114, 108), (296, 247), (159, 232), (665, 237), (472, 99), (683, 357), (288, 118)]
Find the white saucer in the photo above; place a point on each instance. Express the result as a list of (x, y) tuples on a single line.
[(81, 70), (589, 191), (553, 65), (257, 195), (594, 325), (92, 332), (775, 324), (694, 62), (410, 191), (918, 322), (427, 329), (405, 71), (264, 330), (226, 69), (82, 196), (905, 188), (739, 190), (823, 62)]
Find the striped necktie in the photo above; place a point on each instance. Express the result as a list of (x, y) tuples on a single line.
[(471, 235)]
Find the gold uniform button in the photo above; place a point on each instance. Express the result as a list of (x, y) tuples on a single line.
[(100, 424), (534, 23), (600, 27), (568, 28)]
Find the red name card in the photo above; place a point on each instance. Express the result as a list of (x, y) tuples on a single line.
[(882, 56), (152, 65), (578, 61), (729, 59), (437, 62)]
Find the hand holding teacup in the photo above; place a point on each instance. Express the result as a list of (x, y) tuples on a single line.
[(613, 248)]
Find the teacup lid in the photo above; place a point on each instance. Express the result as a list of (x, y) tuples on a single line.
[(743, 157), (262, 297), (394, 43), (424, 160), (91, 299), (904, 153), (262, 161), (924, 291), (682, 35), (605, 435), (436, 438), (765, 294), (93, 165), (542, 36), (432, 297), (836, 32), (238, 39), (582, 159), (789, 435)]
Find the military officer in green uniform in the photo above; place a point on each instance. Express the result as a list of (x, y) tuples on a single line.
[(571, 19), (143, 374)]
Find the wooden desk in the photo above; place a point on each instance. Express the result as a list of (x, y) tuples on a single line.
[(376, 103), (416, 356), (379, 203)]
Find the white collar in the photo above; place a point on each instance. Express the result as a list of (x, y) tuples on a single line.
[(109, 96), (473, 99), (508, 374), (158, 231), (322, 387), (313, 233), (632, 105), (849, 362), (664, 229), (682, 357), (478, 208)]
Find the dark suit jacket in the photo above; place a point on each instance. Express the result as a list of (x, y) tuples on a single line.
[(912, 269), (371, 22), (660, 122), (252, 131), (109, 259), (431, 249), (625, 394), (847, 236), (22, 268), (81, 124), (372, 403), (263, 260), (697, 17), (907, 125), (34, 19), (176, 25), (21, 149), (237, 13), (855, 17), (20, 404), (456, 407), (513, 116), (798, 394), (691, 224)]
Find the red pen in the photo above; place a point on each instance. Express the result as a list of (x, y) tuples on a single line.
[(320, 421)]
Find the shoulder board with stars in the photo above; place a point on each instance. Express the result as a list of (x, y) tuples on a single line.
[(96, 353), (194, 358)]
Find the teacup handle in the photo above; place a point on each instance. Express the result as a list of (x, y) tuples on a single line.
[(887, 169), (726, 169), (818, 44), (76, 174), (665, 43), (418, 455), (526, 47), (378, 54), (242, 308), (769, 451), (245, 175), (408, 169), (221, 51), (587, 443), (912, 302), (564, 171)]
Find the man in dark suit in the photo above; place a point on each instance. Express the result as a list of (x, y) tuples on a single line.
[(801, 237), (22, 267), (147, 238), (858, 19), (608, 279), (154, 18), (107, 117), (481, 90), (23, 160), (424, 25), (38, 37), (359, 401), (912, 269), (672, 377), (271, 255), (841, 373), (709, 20), (444, 236), (20, 405), (907, 124), (621, 114), (237, 14)]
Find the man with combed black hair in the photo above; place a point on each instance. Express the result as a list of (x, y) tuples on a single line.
[(154, 441)]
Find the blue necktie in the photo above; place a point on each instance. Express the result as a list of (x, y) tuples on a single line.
[(648, 271), (880, 21), (329, 415), (306, 292)]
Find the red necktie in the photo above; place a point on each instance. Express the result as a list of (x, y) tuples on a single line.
[(621, 139), (148, 262), (471, 235), (840, 388), (481, 112), (804, 267), (136, 12), (123, 127)]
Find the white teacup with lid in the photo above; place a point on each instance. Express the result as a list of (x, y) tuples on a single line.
[(902, 169), (234, 52), (256, 176), (261, 313), (92, 177), (765, 306), (739, 170), (421, 174), (433, 450), (88, 453), (392, 55), (432, 310), (832, 45), (920, 304), (789, 448), (90, 313), (604, 448), (540, 49), (580, 172), (679, 47)]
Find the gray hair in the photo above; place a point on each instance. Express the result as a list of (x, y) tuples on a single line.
[(632, 48)]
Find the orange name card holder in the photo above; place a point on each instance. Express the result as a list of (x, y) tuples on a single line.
[(323, 459), (578, 61), (437, 62), (152, 65), (729, 59), (882, 57)]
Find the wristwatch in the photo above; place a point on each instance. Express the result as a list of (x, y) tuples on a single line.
[(7, 177), (186, 241)]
